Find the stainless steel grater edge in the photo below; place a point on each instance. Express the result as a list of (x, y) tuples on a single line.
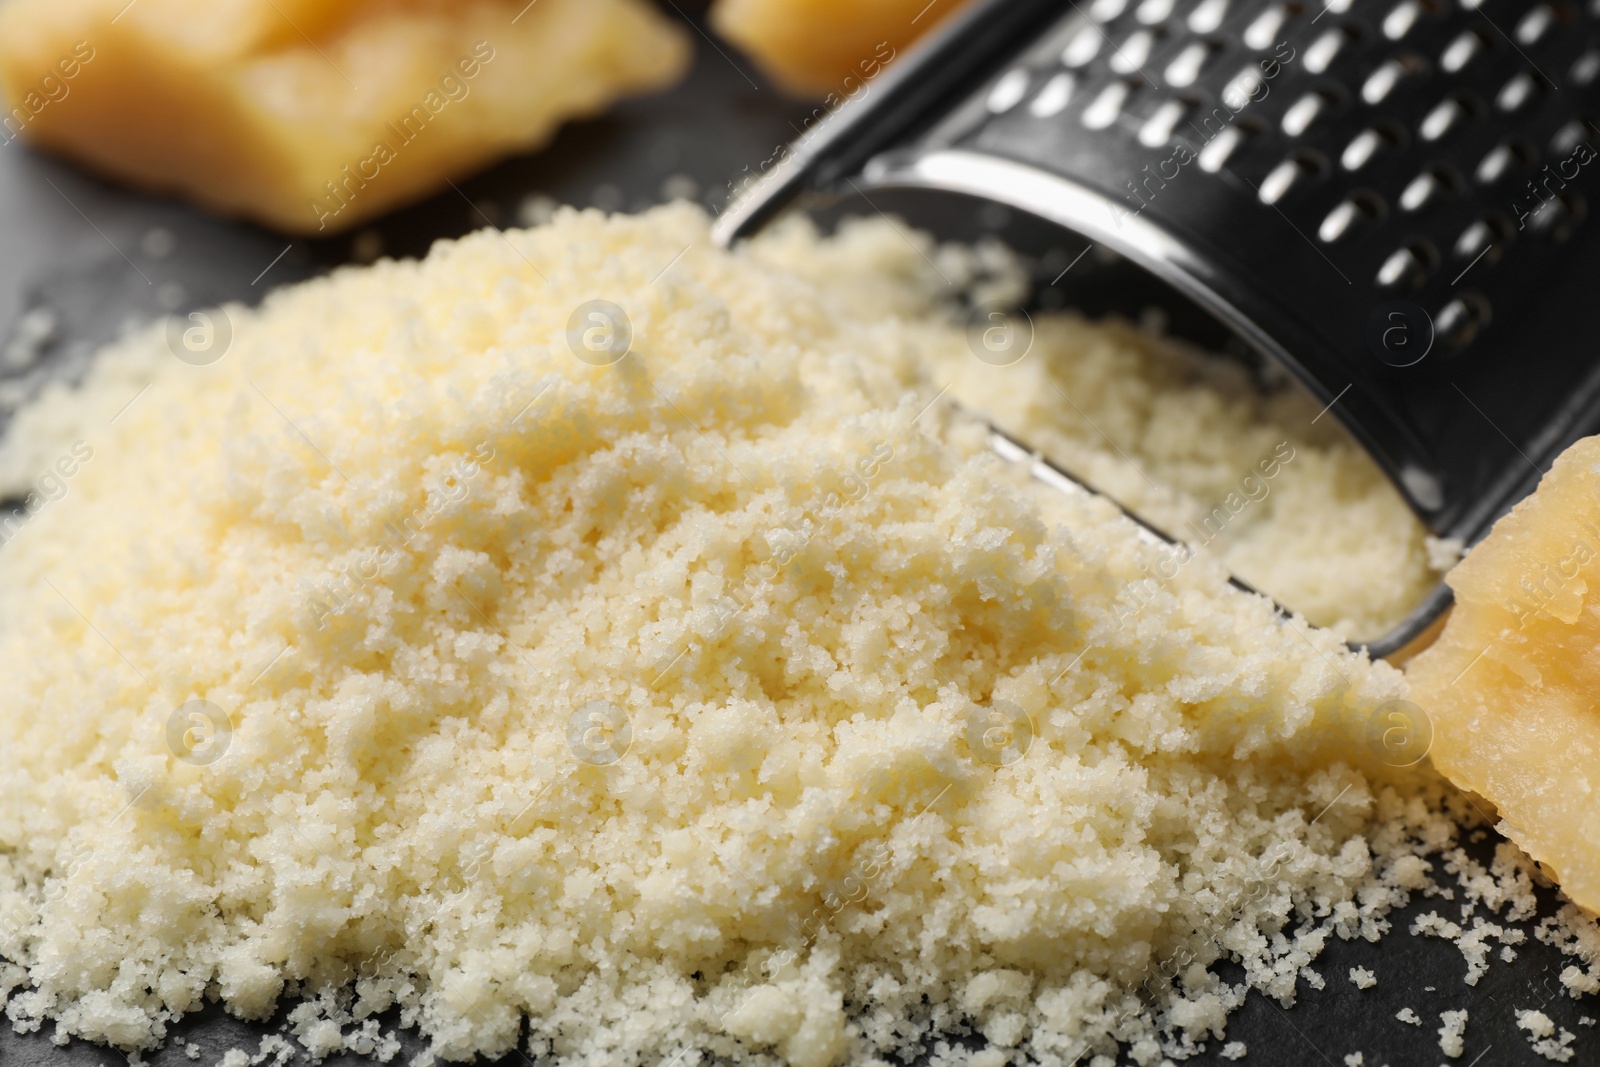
[(1386, 197)]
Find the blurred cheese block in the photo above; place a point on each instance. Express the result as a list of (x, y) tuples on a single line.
[(314, 115), (827, 48), (1513, 683)]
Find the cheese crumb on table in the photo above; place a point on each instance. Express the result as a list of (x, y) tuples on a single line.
[(1362, 978), (1453, 1025), (1408, 1015), (1537, 1023), (1544, 1038), (526, 632)]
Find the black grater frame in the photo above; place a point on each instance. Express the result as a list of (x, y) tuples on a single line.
[(1465, 432)]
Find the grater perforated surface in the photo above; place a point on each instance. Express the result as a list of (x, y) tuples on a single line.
[(1390, 197)]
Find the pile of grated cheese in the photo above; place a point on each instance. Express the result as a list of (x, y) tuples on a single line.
[(1181, 438), (688, 682), (1185, 439)]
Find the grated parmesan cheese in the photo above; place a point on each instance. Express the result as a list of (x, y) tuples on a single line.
[(1543, 1036), (723, 696), (1186, 440), (1453, 1027)]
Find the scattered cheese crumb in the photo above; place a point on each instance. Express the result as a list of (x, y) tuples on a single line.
[(1444, 552), (1544, 1038), (1234, 1050), (1450, 1033), (1473, 943), (1362, 978), (1406, 1015), (33, 332)]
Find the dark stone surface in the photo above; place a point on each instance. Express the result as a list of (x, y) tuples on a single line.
[(79, 245)]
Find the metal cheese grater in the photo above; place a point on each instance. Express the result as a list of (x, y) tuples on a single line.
[(1387, 197)]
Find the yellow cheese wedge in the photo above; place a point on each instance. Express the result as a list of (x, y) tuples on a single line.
[(1513, 683), (314, 115), (826, 48)]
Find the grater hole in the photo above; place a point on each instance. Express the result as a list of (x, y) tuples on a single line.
[(1460, 321), (1263, 30), (1586, 69), (1322, 52), (1215, 155), (1382, 82), (1208, 15), (1408, 266), (1404, 16), (1246, 86), (1556, 219), (1186, 66), (1157, 129), (1485, 240), (1369, 142), (1151, 12), (1107, 106), (1448, 116), (1503, 160), (1106, 10), (1567, 139), (1421, 191), (1519, 90), (1360, 209), (1538, 22), (1134, 52), (1054, 96), (1297, 171), (1008, 91), (1305, 111), (1463, 50), (1424, 487), (1082, 48)]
